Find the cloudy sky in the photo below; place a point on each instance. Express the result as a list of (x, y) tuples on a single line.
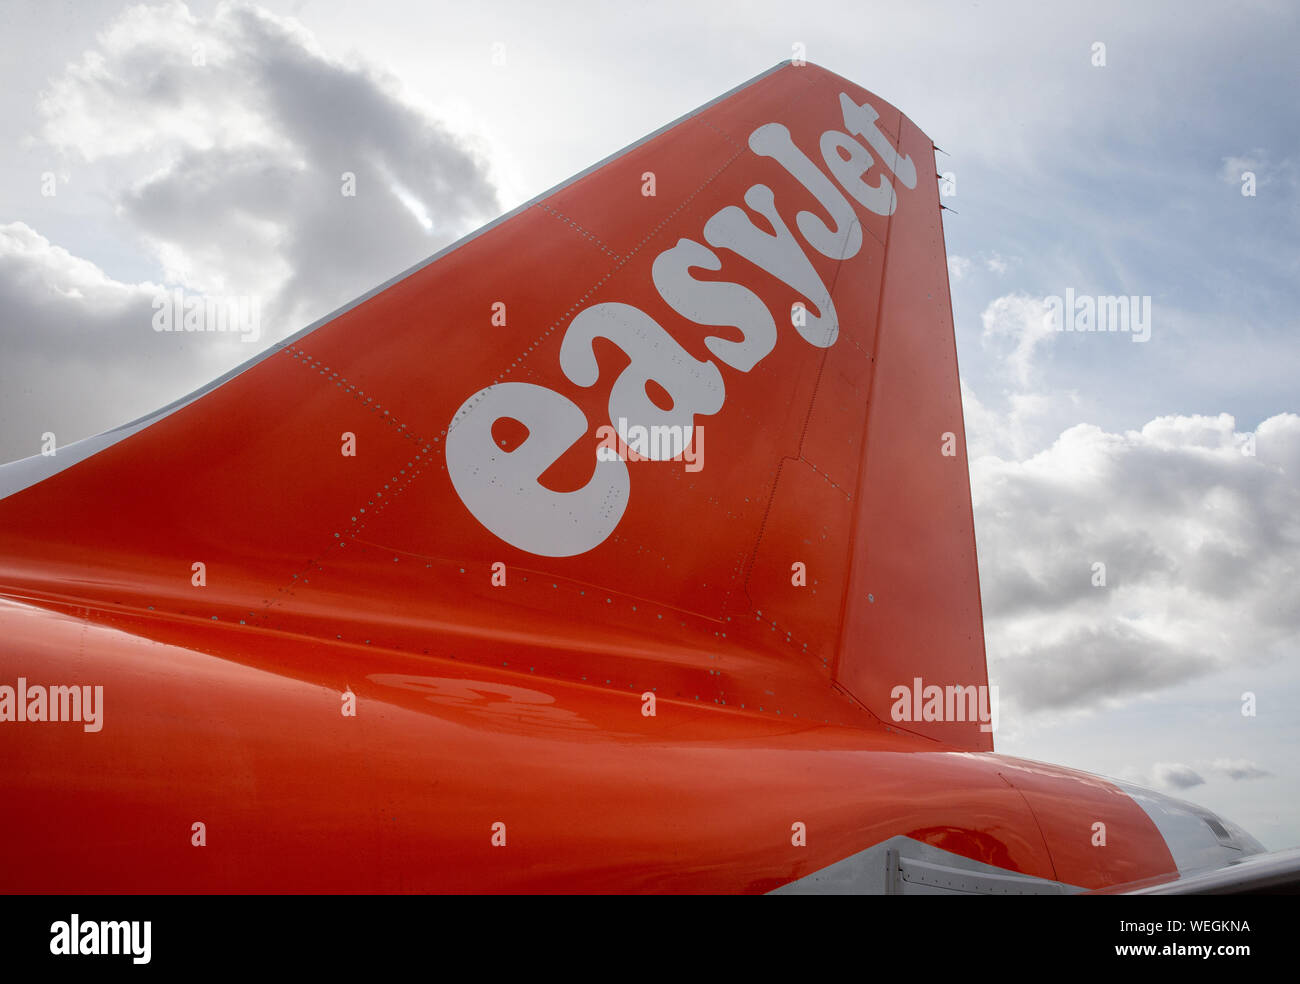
[(1106, 152)]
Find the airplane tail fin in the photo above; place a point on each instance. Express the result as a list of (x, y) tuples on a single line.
[(687, 424)]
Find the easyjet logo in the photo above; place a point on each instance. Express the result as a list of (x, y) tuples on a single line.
[(501, 488)]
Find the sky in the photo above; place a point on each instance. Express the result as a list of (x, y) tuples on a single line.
[(1146, 151)]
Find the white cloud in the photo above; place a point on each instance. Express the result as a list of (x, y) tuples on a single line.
[(1269, 171), (1021, 428), (1178, 775), (1198, 542), (997, 264), (1017, 325), (80, 352), (221, 142), (1175, 775), (228, 138), (1234, 167), (958, 267), (1238, 769)]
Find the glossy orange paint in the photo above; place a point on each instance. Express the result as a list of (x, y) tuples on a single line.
[(521, 704)]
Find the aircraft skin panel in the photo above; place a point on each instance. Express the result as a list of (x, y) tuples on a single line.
[(594, 796), (914, 528), (378, 613), (1082, 816)]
